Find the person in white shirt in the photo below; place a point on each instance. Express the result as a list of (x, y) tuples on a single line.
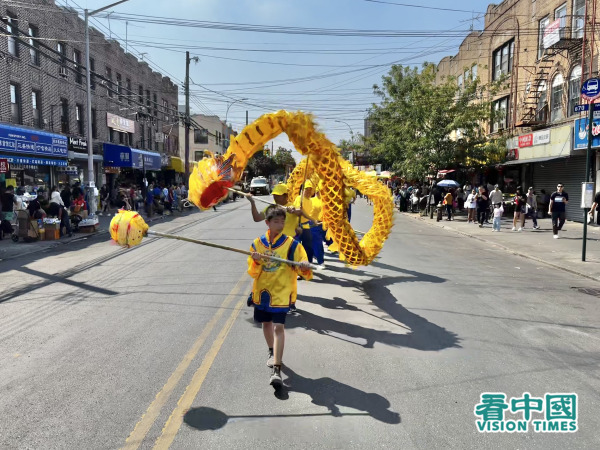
[(57, 208), (496, 196), (498, 210), (471, 206)]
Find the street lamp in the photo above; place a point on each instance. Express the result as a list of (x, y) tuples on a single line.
[(230, 105), (351, 137), (91, 183)]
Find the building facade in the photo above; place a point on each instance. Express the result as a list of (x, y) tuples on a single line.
[(536, 54), (43, 84)]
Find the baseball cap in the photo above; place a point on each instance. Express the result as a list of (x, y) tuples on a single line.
[(308, 184), (280, 189)]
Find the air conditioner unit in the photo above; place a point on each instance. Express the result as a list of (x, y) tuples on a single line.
[(45, 121)]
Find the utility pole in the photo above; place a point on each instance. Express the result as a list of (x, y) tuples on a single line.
[(246, 117), (187, 118)]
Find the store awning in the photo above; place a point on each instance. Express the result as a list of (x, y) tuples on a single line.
[(83, 156), (176, 164), (532, 160), (32, 161), (32, 142), (123, 156)]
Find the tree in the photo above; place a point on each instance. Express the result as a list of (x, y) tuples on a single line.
[(420, 127), (261, 165), (284, 160)]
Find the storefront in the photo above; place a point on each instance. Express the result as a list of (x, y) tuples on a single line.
[(545, 158), (175, 170), (33, 156), (132, 163)]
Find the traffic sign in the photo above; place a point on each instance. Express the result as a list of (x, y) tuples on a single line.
[(590, 90), (585, 107)]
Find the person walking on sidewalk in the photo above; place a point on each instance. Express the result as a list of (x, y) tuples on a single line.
[(448, 199), (482, 206), (558, 208), (498, 210), (520, 209), (532, 208), (595, 208), (471, 206), (496, 196)]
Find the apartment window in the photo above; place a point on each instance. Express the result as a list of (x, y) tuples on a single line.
[(64, 115), (155, 101), (149, 143), (543, 24), (61, 48), (122, 138), (200, 136), (141, 95), (460, 82), (119, 87), (128, 93), (109, 87), (556, 111), (217, 141), (198, 155), (94, 131), (34, 52), (503, 60), (36, 107), (561, 13), (79, 118), (541, 114), (165, 105), (111, 135), (77, 65), (142, 141), (92, 73), (148, 99), (15, 103), (574, 89), (499, 114), (474, 72), (578, 23), (11, 28)]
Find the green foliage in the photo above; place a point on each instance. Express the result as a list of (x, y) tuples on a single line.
[(420, 127), (262, 164)]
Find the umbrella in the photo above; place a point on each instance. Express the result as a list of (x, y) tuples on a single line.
[(385, 174), (448, 183)]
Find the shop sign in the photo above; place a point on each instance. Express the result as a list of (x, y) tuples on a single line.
[(512, 154), (526, 140), (552, 34), (14, 160), (69, 170), (537, 138), (580, 131), (114, 170), (4, 166), (76, 143), (39, 143), (119, 123)]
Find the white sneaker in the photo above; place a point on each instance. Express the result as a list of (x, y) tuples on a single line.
[(520, 229), (556, 236), (514, 228), (493, 231)]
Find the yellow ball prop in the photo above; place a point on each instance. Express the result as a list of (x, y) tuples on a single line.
[(127, 228)]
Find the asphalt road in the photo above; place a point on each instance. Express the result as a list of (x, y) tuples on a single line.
[(153, 347)]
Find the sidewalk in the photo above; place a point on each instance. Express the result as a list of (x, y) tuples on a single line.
[(538, 245), (10, 249)]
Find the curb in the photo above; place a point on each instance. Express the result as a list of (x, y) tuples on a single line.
[(507, 249)]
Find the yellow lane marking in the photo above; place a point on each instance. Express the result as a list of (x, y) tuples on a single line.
[(142, 428), (174, 422)]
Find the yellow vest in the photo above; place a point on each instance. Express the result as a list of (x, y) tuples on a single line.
[(275, 283), (307, 206)]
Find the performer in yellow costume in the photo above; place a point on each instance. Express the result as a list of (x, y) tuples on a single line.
[(306, 203), (280, 195), (275, 285)]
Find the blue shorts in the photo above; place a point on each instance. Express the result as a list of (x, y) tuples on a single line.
[(261, 316)]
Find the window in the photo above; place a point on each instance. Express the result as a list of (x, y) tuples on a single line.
[(64, 115), (155, 101), (11, 28), (77, 65), (79, 118), (122, 138), (128, 93), (119, 87), (198, 155), (574, 89), (141, 95), (217, 141), (92, 72), (460, 82), (556, 112), (474, 72), (15, 103), (111, 135), (503, 60), (578, 23), (561, 13), (541, 114), (543, 24), (36, 107), (109, 87), (165, 105), (499, 114), (149, 143), (61, 48), (94, 131), (148, 99), (34, 52), (200, 136), (142, 141)]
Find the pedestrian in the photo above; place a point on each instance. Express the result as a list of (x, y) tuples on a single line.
[(150, 201), (8, 201), (498, 211), (496, 196), (520, 201), (307, 219), (531, 208), (56, 208), (275, 285), (558, 207), (471, 206), (544, 203), (448, 200), (105, 199), (66, 196), (482, 206), (280, 195)]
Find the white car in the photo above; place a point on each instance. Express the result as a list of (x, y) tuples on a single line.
[(259, 185)]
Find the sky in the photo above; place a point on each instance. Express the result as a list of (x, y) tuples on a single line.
[(329, 76)]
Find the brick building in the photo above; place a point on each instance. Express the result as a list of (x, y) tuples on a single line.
[(42, 60), (540, 51)]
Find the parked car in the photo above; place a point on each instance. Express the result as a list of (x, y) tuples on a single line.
[(259, 185)]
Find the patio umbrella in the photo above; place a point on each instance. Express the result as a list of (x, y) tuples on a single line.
[(448, 183)]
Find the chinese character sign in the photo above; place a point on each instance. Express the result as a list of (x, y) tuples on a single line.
[(20, 140), (4, 166)]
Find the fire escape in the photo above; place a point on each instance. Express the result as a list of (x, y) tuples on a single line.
[(566, 44)]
